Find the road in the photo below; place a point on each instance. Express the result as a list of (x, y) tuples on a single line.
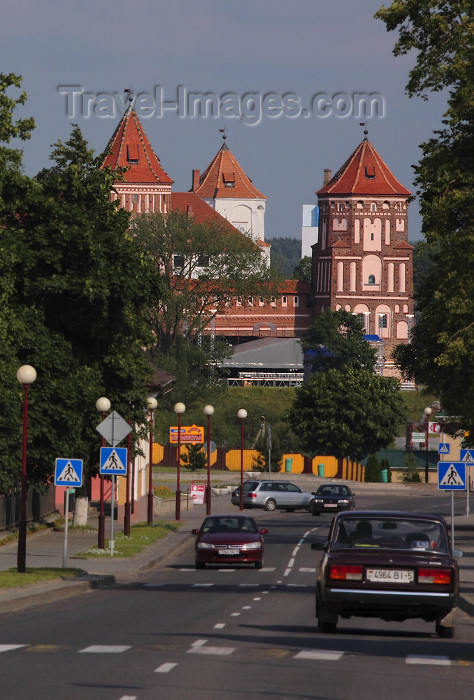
[(184, 634)]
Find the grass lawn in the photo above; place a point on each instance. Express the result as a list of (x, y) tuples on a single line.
[(141, 536), (12, 579)]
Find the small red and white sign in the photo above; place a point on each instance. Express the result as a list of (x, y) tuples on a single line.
[(198, 491), (434, 427)]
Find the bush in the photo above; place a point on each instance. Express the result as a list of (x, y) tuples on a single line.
[(195, 458), (372, 470), (410, 472)]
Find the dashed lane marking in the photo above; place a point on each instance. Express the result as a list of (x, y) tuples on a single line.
[(11, 647), (319, 655), (105, 649), (428, 660), (165, 668)]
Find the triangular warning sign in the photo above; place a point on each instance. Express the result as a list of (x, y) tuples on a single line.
[(69, 474), (444, 448), (113, 463), (451, 478)]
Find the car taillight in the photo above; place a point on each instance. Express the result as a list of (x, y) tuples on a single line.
[(442, 576), (252, 494), (342, 572)]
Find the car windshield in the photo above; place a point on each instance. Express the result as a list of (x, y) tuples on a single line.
[(228, 524), (331, 491), (390, 533)]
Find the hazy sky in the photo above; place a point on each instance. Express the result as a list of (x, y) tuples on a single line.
[(283, 53)]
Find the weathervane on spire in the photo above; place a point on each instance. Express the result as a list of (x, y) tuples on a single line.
[(365, 130), (222, 131), (130, 96)]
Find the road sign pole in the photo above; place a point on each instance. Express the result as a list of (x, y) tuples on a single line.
[(112, 512), (66, 514), (452, 519)]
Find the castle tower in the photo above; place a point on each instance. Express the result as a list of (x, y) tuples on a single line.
[(225, 187), (362, 261), (145, 187)]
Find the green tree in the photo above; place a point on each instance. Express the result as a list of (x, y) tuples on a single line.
[(373, 469), (83, 290), (194, 458), (442, 346), (202, 268), (347, 413), (410, 471), (337, 338), (285, 255), (302, 271)]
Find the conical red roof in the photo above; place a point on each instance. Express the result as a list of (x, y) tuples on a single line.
[(226, 179), (129, 148), (364, 173)]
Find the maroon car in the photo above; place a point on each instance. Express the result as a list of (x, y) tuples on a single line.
[(229, 539), (388, 565)]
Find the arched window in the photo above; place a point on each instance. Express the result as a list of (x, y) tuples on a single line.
[(371, 279)]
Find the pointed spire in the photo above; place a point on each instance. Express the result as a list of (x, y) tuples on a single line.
[(364, 173), (226, 179), (130, 148)]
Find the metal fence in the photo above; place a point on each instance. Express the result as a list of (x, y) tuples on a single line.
[(39, 505)]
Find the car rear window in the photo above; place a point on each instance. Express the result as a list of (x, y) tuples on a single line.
[(251, 485), (391, 533)]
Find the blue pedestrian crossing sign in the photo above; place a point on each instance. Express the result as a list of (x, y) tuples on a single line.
[(113, 460), (467, 456), (452, 476), (68, 472), (443, 448)]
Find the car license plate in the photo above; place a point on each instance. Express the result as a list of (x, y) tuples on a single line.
[(390, 575), (229, 552), (330, 505)]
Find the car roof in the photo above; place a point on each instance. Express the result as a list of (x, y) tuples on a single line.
[(394, 514)]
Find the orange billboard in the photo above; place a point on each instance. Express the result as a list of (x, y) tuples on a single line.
[(189, 433)]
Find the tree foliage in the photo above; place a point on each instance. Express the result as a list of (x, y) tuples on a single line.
[(347, 413), (76, 293), (337, 338), (440, 354), (285, 255), (203, 267), (302, 270)]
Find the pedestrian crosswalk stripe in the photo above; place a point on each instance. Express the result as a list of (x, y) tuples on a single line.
[(319, 655), (105, 649)]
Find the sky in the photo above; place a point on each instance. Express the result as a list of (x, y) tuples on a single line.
[(285, 80)]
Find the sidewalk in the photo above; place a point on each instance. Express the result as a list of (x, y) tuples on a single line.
[(46, 549)]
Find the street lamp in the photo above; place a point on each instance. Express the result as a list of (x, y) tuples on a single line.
[(427, 413), (242, 414), (208, 411), (151, 403), (26, 375), (179, 409), (102, 405)]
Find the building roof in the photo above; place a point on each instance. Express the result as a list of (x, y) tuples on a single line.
[(267, 353), (130, 148), (224, 178), (364, 173)]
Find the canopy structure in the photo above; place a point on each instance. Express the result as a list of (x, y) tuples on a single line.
[(267, 362)]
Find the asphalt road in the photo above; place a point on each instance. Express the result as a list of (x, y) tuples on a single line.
[(179, 633)]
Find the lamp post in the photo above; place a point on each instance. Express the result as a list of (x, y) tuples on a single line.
[(126, 518), (427, 413), (179, 409), (26, 375), (242, 414), (102, 405), (208, 411), (151, 403)]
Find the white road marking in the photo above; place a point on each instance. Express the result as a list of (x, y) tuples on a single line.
[(105, 649), (246, 607), (291, 563), (317, 655), (128, 697), (287, 572), (11, 647), (428, 660), (199, 647), (219, 626), (202, 585), (308, 570), (257, 599), (235, 614), (165, 668), (295, 551)]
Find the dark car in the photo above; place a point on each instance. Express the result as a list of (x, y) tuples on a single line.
[(272, 494), (229, 539), (332, 498), (388, 565)]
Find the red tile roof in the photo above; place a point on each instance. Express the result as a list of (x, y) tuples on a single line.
[(226, 179), (190, 203), (129, 148), (364, 173)]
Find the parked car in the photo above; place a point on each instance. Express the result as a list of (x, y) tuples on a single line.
[(331, 498), (387, 565), (271, 495), (229, 539)]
